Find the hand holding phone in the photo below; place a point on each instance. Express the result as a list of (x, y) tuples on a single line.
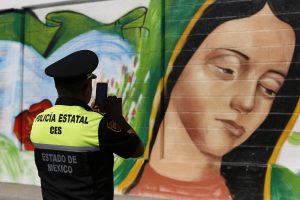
[(113, 107), (110, 105)]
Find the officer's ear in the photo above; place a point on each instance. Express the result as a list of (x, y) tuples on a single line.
[(87, 86)]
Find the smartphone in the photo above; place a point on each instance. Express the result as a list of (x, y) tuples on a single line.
[(101, 94)]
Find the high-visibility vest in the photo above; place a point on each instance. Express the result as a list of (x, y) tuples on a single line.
[(57, 125), (69, 158)]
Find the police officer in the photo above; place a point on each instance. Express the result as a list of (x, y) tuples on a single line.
[(74, 145)]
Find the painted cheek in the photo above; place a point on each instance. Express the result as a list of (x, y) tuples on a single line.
[(262, 106)]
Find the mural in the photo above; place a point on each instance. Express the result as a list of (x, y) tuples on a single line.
[(211, 87)]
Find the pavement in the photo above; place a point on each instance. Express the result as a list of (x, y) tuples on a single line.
[(11, 191)]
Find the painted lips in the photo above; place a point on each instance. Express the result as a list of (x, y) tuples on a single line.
[(233, 127)]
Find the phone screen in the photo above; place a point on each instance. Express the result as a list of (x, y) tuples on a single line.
[(101, 94)]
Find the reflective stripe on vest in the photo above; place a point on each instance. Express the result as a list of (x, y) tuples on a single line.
[(70, 126), (66, 148)]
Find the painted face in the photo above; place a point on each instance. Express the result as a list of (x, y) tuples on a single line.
[(228, 86)]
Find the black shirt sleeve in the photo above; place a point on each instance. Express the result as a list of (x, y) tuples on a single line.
[(118, 141)]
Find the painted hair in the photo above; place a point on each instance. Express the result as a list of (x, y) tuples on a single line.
[(244, 168)]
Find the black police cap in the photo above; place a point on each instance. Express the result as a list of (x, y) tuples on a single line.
[(76, 65)]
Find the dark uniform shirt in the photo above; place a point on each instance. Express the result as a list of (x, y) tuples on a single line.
[(68, 169)]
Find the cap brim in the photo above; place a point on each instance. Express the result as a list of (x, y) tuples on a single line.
[(91, 76)]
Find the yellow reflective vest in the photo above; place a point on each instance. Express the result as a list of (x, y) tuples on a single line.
[(69, 126)]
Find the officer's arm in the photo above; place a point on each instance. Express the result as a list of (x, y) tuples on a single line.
[(140, 148), (119, 137), (129, 130)]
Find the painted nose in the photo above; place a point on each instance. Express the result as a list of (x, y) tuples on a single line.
[(243, 100)]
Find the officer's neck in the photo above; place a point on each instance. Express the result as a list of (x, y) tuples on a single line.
[(80, 98)]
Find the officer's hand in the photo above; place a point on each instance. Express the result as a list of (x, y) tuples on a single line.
[(113, 107), (96, 108)]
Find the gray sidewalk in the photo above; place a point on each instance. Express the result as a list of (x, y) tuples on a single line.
[(9, 191)]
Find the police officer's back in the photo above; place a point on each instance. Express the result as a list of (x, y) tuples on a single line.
[(74, 145)]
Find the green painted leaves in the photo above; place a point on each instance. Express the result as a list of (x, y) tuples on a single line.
[(294, 138)]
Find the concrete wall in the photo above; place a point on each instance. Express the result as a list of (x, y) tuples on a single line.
[(210, 86)]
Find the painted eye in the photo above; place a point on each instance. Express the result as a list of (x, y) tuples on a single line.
[(226, 70), (268, 91)]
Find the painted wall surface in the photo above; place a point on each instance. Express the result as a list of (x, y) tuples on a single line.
[(211, 87)]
